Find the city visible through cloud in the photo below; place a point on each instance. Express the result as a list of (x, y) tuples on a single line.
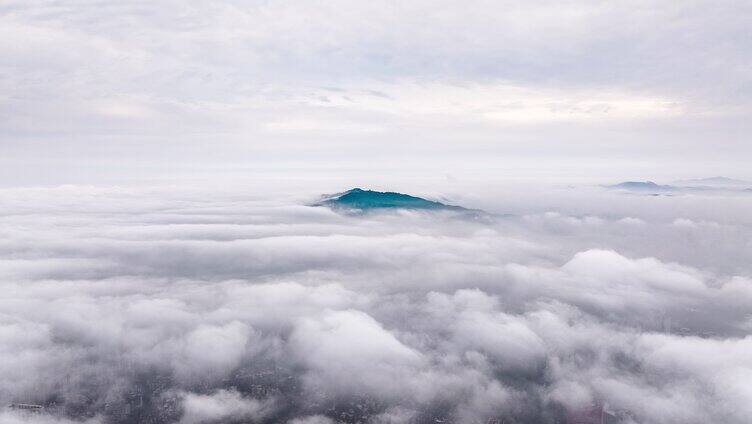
[(375, 212)]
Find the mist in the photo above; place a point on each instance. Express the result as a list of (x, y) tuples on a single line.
[(170, 305)]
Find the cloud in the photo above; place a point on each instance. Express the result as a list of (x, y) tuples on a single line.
[(31, 418), (176, 305), (349, 352), (313, 419), (213, 351), (220, 407)]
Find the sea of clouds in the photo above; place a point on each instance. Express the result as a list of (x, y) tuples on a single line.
[(178, 305)]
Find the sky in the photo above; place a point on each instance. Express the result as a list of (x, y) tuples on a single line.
[(137, 90)]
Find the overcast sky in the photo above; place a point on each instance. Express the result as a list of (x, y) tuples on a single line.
[(127, 90)]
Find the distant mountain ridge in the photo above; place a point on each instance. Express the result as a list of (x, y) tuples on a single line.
[(690, 185), (360, 199)]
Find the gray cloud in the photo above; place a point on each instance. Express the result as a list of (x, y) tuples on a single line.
[(179, 306)]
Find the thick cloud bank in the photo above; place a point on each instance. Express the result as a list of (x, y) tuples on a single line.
[(179, 306)]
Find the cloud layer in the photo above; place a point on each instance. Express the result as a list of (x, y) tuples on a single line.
[(171, 305)]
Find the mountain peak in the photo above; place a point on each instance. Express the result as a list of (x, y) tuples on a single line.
[(642, 185), (360, 199)]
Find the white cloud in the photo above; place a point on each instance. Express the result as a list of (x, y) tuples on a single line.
[(348, 351), (222, 406), (203, 306), (493, 102), (313, 419)]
